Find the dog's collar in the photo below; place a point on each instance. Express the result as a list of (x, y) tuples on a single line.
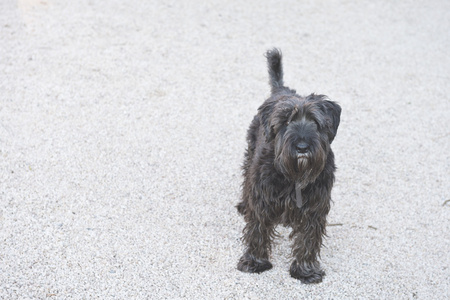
[(298, 195)]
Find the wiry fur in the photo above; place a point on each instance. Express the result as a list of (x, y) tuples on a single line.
[(276, 164)]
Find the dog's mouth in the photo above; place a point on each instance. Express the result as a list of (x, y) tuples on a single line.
[(302, 155)]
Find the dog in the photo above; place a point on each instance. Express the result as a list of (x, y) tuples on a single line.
[(288, 174)]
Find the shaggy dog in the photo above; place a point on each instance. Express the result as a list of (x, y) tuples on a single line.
[(288, 176)]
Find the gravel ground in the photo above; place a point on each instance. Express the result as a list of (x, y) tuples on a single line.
[(122, 131)]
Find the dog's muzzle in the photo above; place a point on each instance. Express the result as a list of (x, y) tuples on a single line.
[(302, 149)]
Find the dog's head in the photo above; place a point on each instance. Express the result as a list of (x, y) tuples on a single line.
[(302, 129)]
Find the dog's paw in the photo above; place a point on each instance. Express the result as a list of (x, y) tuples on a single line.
[(250, 264), (307, 272)]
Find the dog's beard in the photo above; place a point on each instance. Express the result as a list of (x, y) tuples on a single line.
[(303, 168), (306, 172)]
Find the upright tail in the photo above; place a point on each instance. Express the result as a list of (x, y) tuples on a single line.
[(275, 69)]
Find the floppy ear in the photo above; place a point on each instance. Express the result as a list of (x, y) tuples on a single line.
[(265, 113), (332, 112)]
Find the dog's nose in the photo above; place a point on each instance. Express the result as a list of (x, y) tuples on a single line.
[(302, 147)]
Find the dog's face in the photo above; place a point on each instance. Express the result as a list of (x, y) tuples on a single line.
[(302, 130)]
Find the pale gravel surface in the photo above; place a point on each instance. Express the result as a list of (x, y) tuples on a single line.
[(122, 131)]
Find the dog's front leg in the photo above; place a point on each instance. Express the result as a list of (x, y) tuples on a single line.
[(308, 232), (258, 234)]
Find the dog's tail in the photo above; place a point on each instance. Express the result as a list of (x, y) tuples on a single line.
[(275, 66)]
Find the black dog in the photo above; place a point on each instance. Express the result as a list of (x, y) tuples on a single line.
[(288, 175)]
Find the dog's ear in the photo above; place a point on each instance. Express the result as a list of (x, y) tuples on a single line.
[(332, 112), (265, 112)]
